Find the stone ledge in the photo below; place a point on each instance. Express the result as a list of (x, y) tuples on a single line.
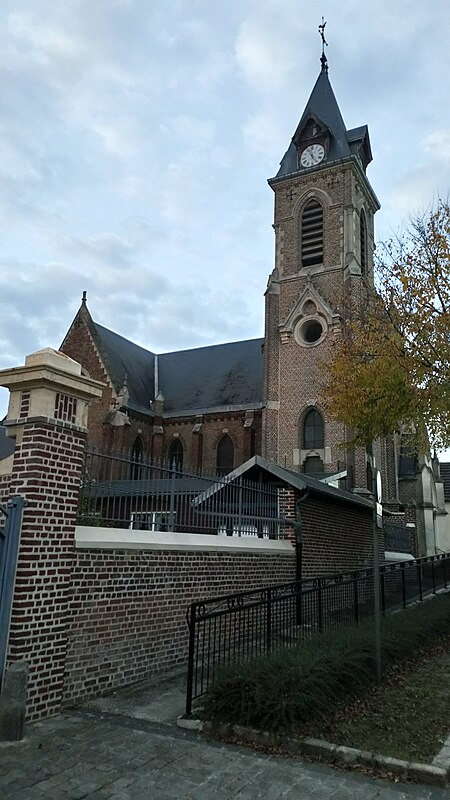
[(429, 774), (93, 538)]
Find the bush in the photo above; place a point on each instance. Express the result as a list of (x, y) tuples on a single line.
[(311, 679)]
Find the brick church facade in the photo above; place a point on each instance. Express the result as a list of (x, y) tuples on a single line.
[(212, 408)]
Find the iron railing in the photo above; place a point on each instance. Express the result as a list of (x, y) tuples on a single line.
[(239, 627), (10, 529), (117, 491)]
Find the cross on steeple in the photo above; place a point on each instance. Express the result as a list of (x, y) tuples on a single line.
[(323, 58)]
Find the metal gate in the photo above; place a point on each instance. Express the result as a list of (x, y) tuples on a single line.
[(10, 526)]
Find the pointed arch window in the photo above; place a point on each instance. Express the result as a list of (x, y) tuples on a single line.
[(312, 234), (225, 455), (363, 241), (312, 465), (313, 430), (137, 455), (175, 454)]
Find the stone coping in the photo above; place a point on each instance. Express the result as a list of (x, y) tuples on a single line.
[(435, 774), (93, 538)]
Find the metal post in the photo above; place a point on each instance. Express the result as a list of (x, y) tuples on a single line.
[(355, 596), (172, 496), (419, 576), (298, 599), (269, 621), (433, 576), (240, 508), (190, 671), (376, 576), (319, 601), (299, 553), (8, 565), (403, 586)]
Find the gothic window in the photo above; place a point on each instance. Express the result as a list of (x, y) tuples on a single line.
[(175, 454), (312, 234), (137, 454), (363, 241), (225, 456), (312, 464), (313, 430)]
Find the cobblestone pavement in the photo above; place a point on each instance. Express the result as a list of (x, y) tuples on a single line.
[(98, 756)]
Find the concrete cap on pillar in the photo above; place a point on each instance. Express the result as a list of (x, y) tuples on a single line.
[(53, 358), (49, 386)]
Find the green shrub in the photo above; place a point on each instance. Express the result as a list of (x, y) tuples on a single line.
[(311, 679), (87, 513)]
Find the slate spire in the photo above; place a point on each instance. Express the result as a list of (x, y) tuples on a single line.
[(322, 108)]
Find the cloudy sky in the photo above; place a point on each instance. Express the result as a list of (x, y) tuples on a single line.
[(137, 136)]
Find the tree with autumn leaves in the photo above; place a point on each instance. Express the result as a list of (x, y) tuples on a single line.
[(391, 367)]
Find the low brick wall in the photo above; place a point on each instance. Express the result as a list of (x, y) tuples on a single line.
[(128, 613), (336, 536)]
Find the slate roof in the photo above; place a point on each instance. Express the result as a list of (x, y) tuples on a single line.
[(323, 106), (444, 468), (190, 380), (209, 377), (257, 464), (124, 358), (7, 446)]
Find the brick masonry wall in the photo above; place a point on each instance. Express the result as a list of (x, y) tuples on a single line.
[(199, 452), (214, 426), (47, 466), (128, 609), (336, 537), (4, 488), (79, 345), (294, 374)]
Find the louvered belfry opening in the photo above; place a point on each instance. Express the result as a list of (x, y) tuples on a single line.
[(312, 234)]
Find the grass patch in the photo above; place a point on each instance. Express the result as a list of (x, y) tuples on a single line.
[(407, 718), (311, 682)]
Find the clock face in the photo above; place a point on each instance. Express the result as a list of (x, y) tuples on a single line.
[(312, 155)]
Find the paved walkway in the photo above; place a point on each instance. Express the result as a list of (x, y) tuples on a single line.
[(102, 756)]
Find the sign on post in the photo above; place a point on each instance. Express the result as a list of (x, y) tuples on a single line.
[(379, 505)]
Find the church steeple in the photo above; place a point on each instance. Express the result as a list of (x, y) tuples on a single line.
[(321, 133), (323, 222)]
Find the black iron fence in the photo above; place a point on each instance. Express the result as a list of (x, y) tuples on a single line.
[(226, 630), (117, 491)]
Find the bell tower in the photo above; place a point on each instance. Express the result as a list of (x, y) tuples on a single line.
[(324, 239)]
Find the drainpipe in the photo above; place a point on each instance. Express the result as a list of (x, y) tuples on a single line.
[(299, 552)]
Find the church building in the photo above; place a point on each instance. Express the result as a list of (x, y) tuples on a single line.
[(213, 408)]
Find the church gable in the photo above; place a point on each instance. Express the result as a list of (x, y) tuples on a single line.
[(309, 316), (80, 343), (187, 381)]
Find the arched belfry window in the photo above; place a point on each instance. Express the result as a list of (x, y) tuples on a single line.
[(312, 234), (313, 430), (175, 454), (225, 455), (363, 241), (137, 454)]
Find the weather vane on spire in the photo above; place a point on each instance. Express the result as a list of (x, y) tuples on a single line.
[(323, 57)]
